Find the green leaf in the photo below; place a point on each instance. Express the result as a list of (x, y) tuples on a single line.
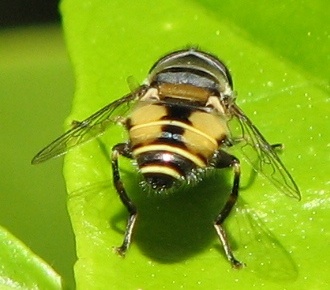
[(281, 240), (22, 269)]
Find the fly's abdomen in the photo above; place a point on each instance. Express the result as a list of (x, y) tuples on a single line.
[(170, 142)]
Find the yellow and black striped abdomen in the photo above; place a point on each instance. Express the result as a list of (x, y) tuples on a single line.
[(169, 141)]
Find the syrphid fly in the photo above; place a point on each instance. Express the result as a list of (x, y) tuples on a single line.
[(178, 127)]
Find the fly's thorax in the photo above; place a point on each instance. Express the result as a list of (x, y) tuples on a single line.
[(180, 122), (192, 67)]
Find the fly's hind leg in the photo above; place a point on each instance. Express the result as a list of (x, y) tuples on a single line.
[(124, 150), (224, 160)]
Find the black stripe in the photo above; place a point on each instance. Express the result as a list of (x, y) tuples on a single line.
[(177, 162), (128, 123), (175, 143), (202, 157), (159, 181), (171, 135), (173, 129), (177, 112)]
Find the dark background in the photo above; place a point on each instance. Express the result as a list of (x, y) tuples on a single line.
[(36, 77), (15, 13)]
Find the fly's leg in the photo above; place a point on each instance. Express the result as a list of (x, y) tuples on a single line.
[(224, 160), (124, 150)]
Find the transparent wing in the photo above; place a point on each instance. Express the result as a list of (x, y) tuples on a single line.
[(88, 129), (267, 161), (258, 247)]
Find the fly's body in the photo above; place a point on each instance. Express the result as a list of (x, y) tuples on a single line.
[(175, 129), (171, 141), (178, 127)]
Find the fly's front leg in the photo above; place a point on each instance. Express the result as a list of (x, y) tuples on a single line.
[(124, 150), (224, 160)]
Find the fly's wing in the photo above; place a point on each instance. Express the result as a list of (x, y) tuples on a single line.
[(88, 129), (258, 247), (268, 162)]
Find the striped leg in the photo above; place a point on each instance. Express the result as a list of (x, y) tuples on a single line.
[(224, 160), (124, 150)]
